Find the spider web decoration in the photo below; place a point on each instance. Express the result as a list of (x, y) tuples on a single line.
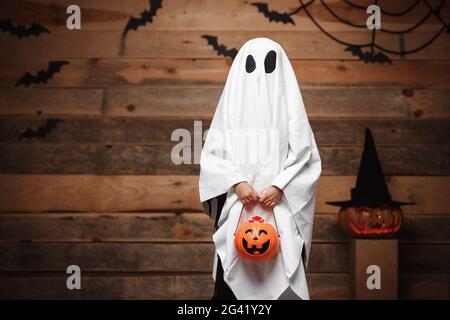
[(371, 51)]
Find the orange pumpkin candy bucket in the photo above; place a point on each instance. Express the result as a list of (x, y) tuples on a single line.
[(257, 239)]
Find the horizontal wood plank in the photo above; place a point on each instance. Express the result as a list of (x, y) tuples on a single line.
[(432, 286), (170, 227), (151, 131), (190, 257), (148, 43), (91, 193), (196, 286), (97, 72), (164, 227), (424, 258), (141, 257), (116, 159), (200, 101), (30, 101), (213, 15), (148, 286), (319, 102), (98, 286)]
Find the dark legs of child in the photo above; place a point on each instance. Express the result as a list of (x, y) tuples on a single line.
[(221, 290)]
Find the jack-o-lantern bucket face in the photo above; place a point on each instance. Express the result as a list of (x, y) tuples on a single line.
[(257, 240)]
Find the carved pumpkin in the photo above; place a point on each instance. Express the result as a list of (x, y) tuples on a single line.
[(377, 222), (257, 240)]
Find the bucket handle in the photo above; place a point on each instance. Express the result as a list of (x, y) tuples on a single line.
[(240, 216)]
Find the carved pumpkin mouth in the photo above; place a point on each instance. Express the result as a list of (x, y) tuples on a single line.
[(254, 250)]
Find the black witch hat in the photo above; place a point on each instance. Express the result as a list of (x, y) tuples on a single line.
[(371, 189)]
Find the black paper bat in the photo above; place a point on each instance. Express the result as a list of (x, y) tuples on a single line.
[(273, 15), (21, 30), (43, 75), (145, 17), (220, 48), (42, 131), (379, 57)]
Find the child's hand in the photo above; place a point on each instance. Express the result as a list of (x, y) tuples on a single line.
[(271, 197), (246, 193)]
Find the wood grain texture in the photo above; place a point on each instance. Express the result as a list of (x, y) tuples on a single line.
[(319, 102), (98, 72), (113, 159), (154, 131), (142, 257), (382, 253), (211, 15), (150, 43), (147, 286), (192, 286), (36, 101), (199, 102), (91, 193), (171, 227), (432, 286), (190, 257), (437, 258)]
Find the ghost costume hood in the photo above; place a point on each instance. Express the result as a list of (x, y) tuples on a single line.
[(260, 134)]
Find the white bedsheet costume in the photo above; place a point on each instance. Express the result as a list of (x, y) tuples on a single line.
[(260, 133)]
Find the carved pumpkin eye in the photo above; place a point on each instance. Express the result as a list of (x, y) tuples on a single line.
[(270, 61), (249, 231), (250, 64), (262, 232)]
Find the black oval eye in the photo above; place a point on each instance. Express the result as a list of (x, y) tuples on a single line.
[(250, 64), (270, 61)]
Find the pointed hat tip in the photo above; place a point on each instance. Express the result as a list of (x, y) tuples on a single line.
[(368, 133)]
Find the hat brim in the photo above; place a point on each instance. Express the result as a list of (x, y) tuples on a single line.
[(346, 203), (351, 203)]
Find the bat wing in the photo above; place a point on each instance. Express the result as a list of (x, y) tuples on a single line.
[(134, 23), (7, 26), (154, 6), (281, 17), (231, 53), (356, 51), (26, 80), (144, 17), (35, 30), (273, 15), (212, 41), (41, 131), (53, 67), (51, 124), (219, 48), (29, 133), (381, 58), (48, 127)]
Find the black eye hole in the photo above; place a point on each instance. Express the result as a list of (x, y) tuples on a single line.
[(262, 232), (249, 231), (270, 61), (250, 64)]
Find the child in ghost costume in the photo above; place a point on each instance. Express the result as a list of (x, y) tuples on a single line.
[(260, 142)]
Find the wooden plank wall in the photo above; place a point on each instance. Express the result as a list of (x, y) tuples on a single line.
[(100, 191)]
